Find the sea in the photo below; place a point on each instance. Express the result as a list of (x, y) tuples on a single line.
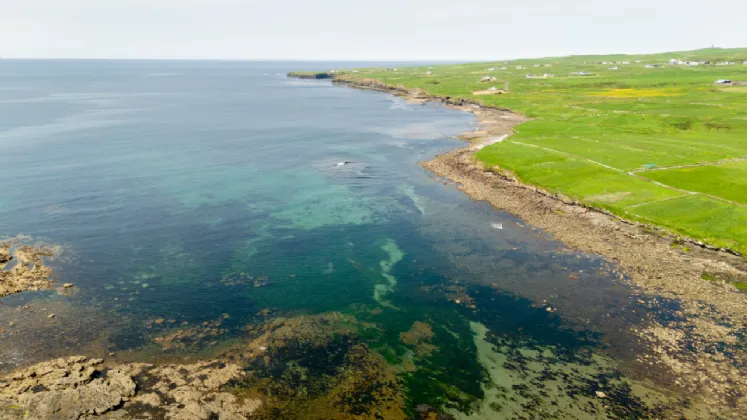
[(185, 192)]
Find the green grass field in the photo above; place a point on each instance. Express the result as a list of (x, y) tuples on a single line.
[(609, 139)]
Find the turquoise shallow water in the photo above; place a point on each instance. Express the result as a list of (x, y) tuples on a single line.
[(188, 190)]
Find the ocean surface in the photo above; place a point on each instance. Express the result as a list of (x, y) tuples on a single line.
[(182, 193)]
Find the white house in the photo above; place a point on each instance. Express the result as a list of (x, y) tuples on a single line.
[(614, 68), (429, 73)]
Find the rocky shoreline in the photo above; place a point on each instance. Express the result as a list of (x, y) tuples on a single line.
[(701, 347), (22, 267), (286, 368), (322, 366)]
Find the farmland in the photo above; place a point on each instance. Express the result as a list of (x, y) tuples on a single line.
[(661, 145)]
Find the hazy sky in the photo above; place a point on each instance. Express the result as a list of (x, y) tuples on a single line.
[(371, 30)]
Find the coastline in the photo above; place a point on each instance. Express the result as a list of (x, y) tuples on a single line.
[(269, 356), (713, 313)]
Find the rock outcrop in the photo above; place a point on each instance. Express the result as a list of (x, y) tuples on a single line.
[(76, 387), (29, 271), (285, 366)]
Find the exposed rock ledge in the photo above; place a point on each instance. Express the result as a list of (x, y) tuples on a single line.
[(29, 271), (79, 388)]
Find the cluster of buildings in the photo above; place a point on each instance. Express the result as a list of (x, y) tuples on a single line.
[(677, 62), (609, 63)]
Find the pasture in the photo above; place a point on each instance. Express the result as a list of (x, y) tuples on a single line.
[(662, 145)]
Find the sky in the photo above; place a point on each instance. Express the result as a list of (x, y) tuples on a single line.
[(408, 30)]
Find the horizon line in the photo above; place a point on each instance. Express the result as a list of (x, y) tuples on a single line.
[(344, 60)]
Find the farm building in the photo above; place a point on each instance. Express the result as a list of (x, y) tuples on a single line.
[(722, 82)]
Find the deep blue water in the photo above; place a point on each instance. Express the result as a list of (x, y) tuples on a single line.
[(160, 179)]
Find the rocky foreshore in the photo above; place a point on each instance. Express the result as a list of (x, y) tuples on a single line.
[(76, 387), (273, 374), (22, 267)]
